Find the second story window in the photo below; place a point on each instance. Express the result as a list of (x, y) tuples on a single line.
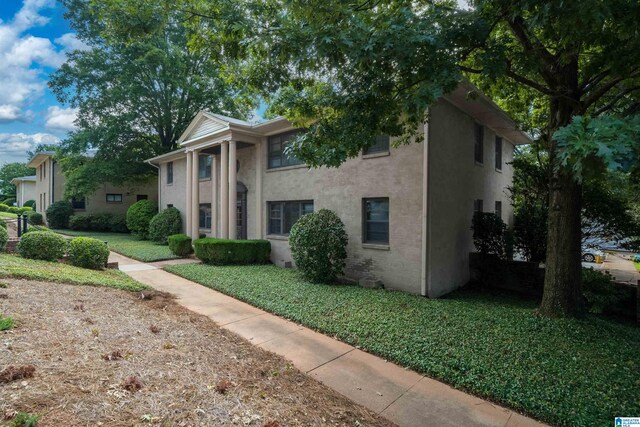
[(204, 167), (277, 150), (381, 145), (498, 153), (478, 143), (169, 173)]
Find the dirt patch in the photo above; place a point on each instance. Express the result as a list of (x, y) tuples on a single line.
[(190, 372)]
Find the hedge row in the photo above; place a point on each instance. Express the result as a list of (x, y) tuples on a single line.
[(82, 252), (226, 252), (180, 244), (116, 223), (15, 210)]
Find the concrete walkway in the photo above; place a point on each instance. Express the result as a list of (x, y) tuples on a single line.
[(402, 396)]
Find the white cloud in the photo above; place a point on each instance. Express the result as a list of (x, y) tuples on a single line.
[(14, 146), (61, 118), (23, 56), (70, 42)]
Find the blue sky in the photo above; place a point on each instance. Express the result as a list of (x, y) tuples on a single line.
[(34, 38)]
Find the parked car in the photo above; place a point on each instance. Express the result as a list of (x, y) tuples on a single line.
[(591, 254)]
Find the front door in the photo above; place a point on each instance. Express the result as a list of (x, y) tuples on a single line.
[(241, 215)]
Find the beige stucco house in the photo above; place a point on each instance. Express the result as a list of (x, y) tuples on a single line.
[(50, 182), (407, 210), (25, 189)]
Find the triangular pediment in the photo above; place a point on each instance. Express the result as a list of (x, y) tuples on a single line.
[(203, 124)]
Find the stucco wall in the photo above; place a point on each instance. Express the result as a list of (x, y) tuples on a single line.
[(455, 181), (25, 191)]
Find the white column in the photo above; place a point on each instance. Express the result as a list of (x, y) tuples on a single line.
[(215, 229), (224, 190), (259, 208), (233, 195), (187, 213), (195, 202)]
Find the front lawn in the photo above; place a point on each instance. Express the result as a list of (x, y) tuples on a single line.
[(12, 266), (565, 372), (637, 265), (128, 245)]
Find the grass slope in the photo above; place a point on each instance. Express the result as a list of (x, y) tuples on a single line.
[(12, 266), (128, 245), (566, 372)]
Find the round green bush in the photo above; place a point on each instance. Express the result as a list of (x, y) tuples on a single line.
[(58, 214), (165, 224), (90, 253), (180, 244), (35, 218), (139, 216), (4, 237), (43, 245), (319, 246), (31, 204), (4, 208)]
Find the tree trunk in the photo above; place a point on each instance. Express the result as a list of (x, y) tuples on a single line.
[(562, 295)]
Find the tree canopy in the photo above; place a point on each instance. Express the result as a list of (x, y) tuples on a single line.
[(134, 97)]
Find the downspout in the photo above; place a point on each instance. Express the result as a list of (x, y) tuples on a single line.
[(159, 182), (425, 279)]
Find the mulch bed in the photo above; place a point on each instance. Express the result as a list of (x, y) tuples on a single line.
[(107, 357)]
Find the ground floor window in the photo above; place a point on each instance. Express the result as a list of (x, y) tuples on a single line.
[(114, 198), (498, 209), (141, 197), (78, 203), (282, 215), (477, 206), (375, 220), (205, 215)]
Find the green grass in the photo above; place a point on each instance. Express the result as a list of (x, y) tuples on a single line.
[(6, 323), (128, 245), (12, 266), (566, 372), (7, 215), (24, 419), (637, 265)]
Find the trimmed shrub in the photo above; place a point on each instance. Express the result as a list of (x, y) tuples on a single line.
[(9, 202), (58, 214), (229, 252), (3, 224), (4, 238), (90, 253), (165, 224), (79, 222), (31, 204), (118, 223), (24, 209), (43, 245), (139, 216), (36, 228), (4, 208), (319, 246), (489, 233), (35, 218), (180, 244)]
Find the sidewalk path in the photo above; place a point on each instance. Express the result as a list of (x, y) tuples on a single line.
[(402, 396), (621, 268)]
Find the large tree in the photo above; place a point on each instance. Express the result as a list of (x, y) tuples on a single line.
[(351, 70), (134, 97)]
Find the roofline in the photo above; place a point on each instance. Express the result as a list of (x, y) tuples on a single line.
[(23, 178), (43, 155), (171, 154)]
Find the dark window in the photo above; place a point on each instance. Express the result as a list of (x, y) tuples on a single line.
[(78, 204), (282, 215), (205, 215), (204, 167), (498, 209), (380, 145), (375, 220), (114, 198), (169, 173), (478, 145), (498, 153), (277, 147), (170, 205), (477, 205), (141, 197)]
